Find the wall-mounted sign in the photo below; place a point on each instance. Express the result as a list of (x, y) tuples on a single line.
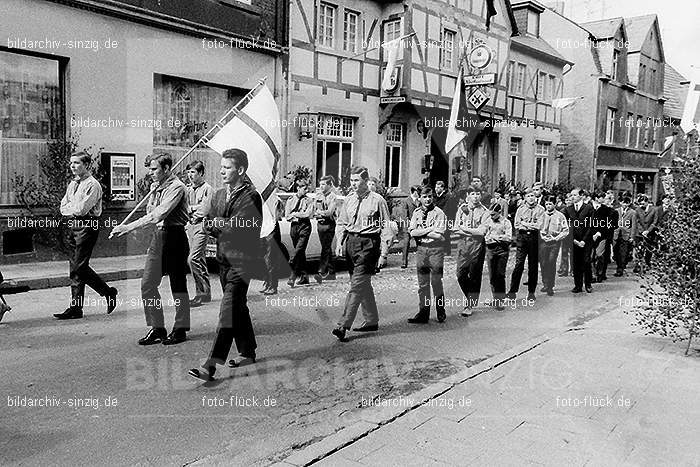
[(479, 80), (392, 99), (480, 56), (478, 99), (121, 175)]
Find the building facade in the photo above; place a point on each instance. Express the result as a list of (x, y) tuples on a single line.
[(614, 132), (398, 131), (129, 78)]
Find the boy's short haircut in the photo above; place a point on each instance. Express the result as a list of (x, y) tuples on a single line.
[(84, 157), (361, 171), (626, 200), (551, 199), (496, 207), (328, 179), (473, 189), (440, 182), (426, 190), (642, 197), (416, 189), (238, 156)]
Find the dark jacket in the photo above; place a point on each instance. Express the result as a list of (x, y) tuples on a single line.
[(645, 220), (604, 222), (236, 224), (580, 222)]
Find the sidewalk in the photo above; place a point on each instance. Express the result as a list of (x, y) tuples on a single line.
[(605, 394), (50, 274)]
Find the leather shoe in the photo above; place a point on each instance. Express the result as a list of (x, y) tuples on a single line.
[(576, 290), (154, 336), (270, 291), (70, 313), (329, 277), (467, 312), (339, 333), (618, 274), (196, 301), (290, 282), (531, 297), (265, 287), (203, 374), (511, 296), (543, 289), (589, 289), (420, 318), (176, 336), (318, 278), (241, 360), (550, 292), (441, 316), (366, 328), (303, 280), (111, 300)]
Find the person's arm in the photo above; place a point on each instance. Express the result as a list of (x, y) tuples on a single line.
[(309, 211), (437, 230), (519, 218), (414, 229), (341, 226), (508, 235), (199, 211), (564, 225), (65, 204), (86, 200), (653, 227), (171, 197)]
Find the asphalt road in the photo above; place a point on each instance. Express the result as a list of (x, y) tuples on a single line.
[(107, 401)]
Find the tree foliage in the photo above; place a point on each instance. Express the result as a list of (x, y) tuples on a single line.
[(668, 304)]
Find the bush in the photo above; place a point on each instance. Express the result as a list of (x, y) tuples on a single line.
[(670, 287)]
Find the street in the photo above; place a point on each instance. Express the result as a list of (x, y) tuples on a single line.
[(84, 389)]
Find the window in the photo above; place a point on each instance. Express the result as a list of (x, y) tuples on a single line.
[(639, 125), (447, 50), (542, 161), (514, 156), (30, 115), (334, 146), (647, 133), (533, 23), (616, 58), (610, 126), (326, 25), (641, 82), (350, 25), (630, 126), (652, 81), (542, 86), (520, 81), (392, 155), (511, 76), (198, 106), (392, 30), (552, 87)]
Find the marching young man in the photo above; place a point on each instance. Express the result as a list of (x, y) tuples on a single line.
[(622, 237), (499, 234), (428, 226), (167, 254), (528, 220), (447, 203), (554, 230), (470, 227), (298, 211), (198, 197), (82, 207), (644, 228), (405, 209), (325, 216), (579, 215), (235, 219), (361, 219)]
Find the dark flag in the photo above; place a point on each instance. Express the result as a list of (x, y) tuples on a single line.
[(490, 11)]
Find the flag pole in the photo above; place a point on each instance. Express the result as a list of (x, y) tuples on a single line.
[(235, 110), (375, 48)]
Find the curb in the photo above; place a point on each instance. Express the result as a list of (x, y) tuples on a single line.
[(373, 418), (63, 280)]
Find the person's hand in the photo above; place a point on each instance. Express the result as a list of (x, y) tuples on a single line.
[(597, 235), (339, 250), (645, 233), (118, 231)]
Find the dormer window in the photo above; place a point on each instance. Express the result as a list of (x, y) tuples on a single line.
[(533, 23), (616, 59)]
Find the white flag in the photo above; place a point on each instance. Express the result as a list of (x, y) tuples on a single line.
[(392, 49), (564, 102), (454, 134), (256, 130), (688, 122)]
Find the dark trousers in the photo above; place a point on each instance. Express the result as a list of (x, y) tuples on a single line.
[(430, 263), (608, 254), (565, 262), (643, 249), (326, 265), (528, 242), (581, 264), (405, 243), (300, 233), (361, 254), (621, 252), (275, 256), (166, 255), (81, 243), (470, 265), (447, 247), (497, 258), (548, 262), (598, 260), (234, 318)]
